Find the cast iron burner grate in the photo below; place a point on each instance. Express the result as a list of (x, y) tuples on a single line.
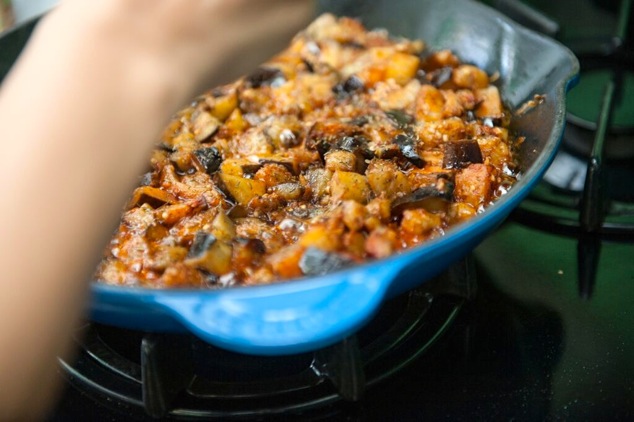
[(588, 191), (179, 376)]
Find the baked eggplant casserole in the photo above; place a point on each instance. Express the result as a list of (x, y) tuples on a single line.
[(348, 146)]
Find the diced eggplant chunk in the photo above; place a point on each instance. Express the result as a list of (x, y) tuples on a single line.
[(407, 145), (432, 197), (430, 104), (419, 221), (202, 242), (289, 191), (266, 76), (402, 67), (209, 159), (348, 185), (469, 76), (233, 166), (204, 125), (356, 144), (381, 242), (354, 215), (315, 261), (340, 160), (254, 245), (435, 78), (347, 87), (384, 176), (171, 214), (360, 121), (379, 211), (490, 103), (318, 180), (320, 145), (247, 251), (387, 151), (182, 141), (222, 227), (439, 59), (322, 237), (154, 197), (440, 76), (285, 262), (273, 174), (473, 185), (223, 105), (460, 154), (288, 164), (181, 275), (242, 189), (210, 254), (400, 118), (325, 135), (182, 160), (164, 256)]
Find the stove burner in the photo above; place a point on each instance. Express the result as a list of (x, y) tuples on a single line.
[(584, 107), (587, 193), (180, 376)]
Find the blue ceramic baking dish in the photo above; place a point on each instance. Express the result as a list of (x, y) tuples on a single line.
[(307, 314)]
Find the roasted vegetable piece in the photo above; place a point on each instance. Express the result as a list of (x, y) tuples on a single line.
[(440, 76), (400, 118), (210, 254), (289, 191), (473, 185), (222, 227), (347, 87), (318, 179), (265, 76), (273, 174), (204, 125), (209, 159), (242, 189), (402, 67), (469, 76), (432, 197), (315, 261), (407, 144), (344, 161), (459, 154), (223, 104), (348, 185), (420, 221), (285, 262), (381, 242), (247, 252), (354, 215), (490, 103), (386, 178), (154, 197), (354, 144)]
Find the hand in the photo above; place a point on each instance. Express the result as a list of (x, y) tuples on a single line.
[(196, 43)]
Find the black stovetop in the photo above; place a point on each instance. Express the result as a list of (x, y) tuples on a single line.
[(527, 347)]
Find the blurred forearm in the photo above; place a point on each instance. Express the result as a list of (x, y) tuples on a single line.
[(78, 116)]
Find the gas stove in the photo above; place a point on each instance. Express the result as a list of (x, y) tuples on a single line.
[(537, 323)]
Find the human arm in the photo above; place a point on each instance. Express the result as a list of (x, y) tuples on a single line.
[(78, 116)]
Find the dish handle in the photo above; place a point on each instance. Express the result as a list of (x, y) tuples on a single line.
[(287, 318)]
